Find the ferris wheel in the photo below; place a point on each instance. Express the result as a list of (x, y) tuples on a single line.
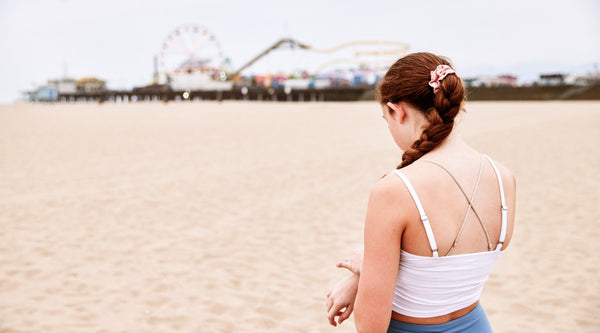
[(190, 48)]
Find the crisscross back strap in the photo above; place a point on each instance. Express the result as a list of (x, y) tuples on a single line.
[(503, 207), (485, 231), (462, 225), (424, 218)]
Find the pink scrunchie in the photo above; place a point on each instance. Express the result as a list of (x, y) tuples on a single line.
[(438, 75)]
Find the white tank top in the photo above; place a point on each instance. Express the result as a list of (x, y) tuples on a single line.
[(434, 286)]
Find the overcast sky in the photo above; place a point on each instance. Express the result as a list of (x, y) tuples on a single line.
[(116, 39)]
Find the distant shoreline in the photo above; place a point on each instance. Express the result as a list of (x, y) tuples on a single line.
[(534, 93)]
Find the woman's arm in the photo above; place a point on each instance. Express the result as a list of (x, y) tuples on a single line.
[(340, 299), (383, 232)]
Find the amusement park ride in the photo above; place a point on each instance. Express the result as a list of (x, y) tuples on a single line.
[(191, 58), (191, 66)]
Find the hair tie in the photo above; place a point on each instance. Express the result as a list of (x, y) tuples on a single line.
[(438, 75)]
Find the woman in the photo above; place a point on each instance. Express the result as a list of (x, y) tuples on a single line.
[(434, 227)]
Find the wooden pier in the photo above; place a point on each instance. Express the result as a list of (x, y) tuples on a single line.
[(241, 94), (161, 94)]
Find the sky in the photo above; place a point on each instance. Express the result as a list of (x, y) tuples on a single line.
[(116, 40)]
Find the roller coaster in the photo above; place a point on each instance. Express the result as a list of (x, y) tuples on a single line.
[(399, 49)]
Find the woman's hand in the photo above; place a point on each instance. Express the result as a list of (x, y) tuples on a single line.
[(340, 299), (354, 262)]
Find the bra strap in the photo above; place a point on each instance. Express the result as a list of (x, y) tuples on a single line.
[(503, 201), (485, 231), (469, 207), (424, 218)]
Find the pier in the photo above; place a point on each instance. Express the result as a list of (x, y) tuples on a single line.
[(240, 94), (332, 94)]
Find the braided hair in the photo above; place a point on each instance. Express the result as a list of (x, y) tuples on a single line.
[(407, 80)]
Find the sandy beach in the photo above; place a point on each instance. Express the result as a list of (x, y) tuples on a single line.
[(229, 217)]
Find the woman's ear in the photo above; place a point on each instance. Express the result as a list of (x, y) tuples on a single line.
[(399, 110)]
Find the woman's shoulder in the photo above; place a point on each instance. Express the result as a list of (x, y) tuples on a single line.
[(390, 190), (508, 178), (393, 188), (388, 187), (385, 198)]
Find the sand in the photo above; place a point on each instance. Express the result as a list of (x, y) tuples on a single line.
[(208, 217)]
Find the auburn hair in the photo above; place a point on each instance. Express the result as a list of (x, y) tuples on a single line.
[(407, 80)]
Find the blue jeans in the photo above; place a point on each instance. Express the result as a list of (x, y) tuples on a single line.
[(475, 321)]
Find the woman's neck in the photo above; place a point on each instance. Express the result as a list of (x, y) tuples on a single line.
[(453, 144)]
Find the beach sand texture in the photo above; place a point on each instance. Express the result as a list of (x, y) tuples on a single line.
[(229, 217)]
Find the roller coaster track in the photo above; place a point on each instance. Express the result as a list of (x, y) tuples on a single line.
[(403, 46), (401, 50)]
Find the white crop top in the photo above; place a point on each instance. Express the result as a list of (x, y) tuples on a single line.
[(434, 286)]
